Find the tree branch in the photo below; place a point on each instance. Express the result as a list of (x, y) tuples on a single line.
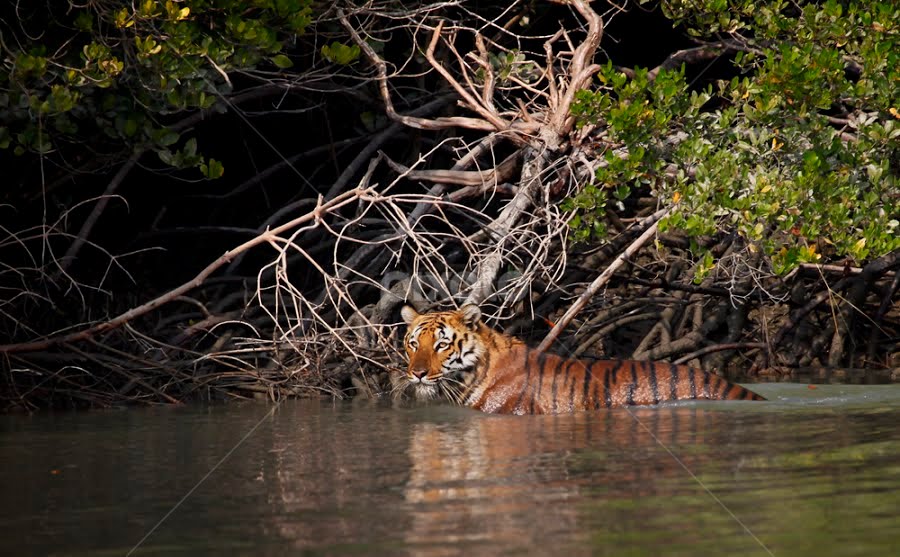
[(269, 236), (652, 222)]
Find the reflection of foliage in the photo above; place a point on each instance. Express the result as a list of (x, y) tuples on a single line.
[(799, 154), (117, 74)]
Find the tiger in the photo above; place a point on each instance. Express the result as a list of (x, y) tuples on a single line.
[(455, 353)]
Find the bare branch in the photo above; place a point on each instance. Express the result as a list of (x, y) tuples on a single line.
[(269, 236), (652, 222)]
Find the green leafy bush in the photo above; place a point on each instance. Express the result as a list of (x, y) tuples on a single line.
[(799, 152), (122, 73)]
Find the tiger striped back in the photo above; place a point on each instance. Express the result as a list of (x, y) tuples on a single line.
[(549, 384), (456, 353)]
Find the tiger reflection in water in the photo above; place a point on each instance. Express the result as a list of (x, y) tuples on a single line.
[(522, 484)]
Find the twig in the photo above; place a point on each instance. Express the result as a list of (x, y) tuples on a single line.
[(375, 144), (92, 219), (652, 223), (411, 121), (316, 214), (719, 347), (886, 303), (486, 178), (818, 270), (581, 69), (502, 225), (471, 101), (875, 268)]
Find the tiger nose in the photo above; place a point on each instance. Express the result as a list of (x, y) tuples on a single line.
[(420, 373)]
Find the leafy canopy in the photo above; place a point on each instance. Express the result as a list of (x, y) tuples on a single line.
[(799, 152), (120, 71)]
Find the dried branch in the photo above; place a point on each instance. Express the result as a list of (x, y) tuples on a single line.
[(503, 172), (270, 236), (88, 225), (690, 56), (720, 347), (581, 70), (651, 222), (410, 121)]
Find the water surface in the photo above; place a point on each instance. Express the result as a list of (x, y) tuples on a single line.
[(812, 472)]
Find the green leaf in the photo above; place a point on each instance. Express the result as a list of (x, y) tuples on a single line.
[(190, 147), (167, 137), (213, 169), (281, 61), (166, 156), (341, 54), (84, 21), (131, 127), (622, 192)]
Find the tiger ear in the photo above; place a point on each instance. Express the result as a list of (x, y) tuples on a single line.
[(470, 313), (409, 314)]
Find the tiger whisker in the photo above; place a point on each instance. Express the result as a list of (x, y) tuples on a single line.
[(457, 386), (447, 390), (400, 385), (453, 392), (400, 388)]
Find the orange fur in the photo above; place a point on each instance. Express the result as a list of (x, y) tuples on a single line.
[(499, 374)]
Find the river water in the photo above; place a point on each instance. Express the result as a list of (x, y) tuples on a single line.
[(815, 471)]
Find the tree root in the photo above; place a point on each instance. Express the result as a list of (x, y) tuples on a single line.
[(317, 313)]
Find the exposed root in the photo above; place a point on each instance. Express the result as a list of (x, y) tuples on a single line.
[(475, 217)]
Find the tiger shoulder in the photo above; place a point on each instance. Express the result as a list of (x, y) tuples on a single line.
[(455, 354)]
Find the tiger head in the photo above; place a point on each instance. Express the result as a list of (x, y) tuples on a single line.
[(443, 349)]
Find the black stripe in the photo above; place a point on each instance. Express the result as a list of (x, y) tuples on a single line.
[(651, 374), (596, 396), (566, 378), (706, 376), (477, 379), (588, 373), (728, 387), (673, 382), (553, 388), (525, 384), (572, 396), (615, 371), (629, 399), (543, 369), (691, 375), (607, 395)]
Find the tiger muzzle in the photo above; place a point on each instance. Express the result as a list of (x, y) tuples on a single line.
[(420, 366), (420, 375)]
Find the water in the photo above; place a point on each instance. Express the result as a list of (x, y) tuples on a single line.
[(814, 472)]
